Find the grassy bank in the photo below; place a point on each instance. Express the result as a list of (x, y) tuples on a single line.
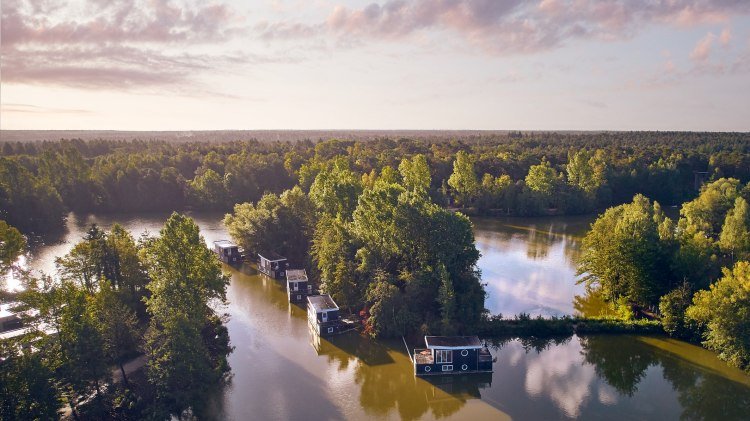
[(524, 325)]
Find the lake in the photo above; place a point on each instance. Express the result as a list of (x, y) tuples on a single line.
[(280, 372)]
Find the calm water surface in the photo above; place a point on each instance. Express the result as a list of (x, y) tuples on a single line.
[(280, 372)]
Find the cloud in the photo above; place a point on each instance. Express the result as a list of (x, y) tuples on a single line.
[(512, 26), (125, 44), (703, 48), (33, 109), (726, 37)]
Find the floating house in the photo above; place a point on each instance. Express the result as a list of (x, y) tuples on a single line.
[(297, 285), (452, 355), (272, 264), (227, 251), (323, 315)]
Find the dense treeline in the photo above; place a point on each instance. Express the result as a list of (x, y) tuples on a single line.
[(694, 272), (515, 173), (116, 298)]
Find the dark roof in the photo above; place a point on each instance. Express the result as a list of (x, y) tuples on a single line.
[(460, 342), (225, 244), (322, 302), (271, 256)]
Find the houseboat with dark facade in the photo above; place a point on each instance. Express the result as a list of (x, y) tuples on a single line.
[(452, 355), (273, 264), (298, 287), (323, 315), (227, 251)]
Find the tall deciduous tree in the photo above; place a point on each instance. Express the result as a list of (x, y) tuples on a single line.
[(185, 279), (735, 234), (723, 312), (12, 245), (463, 180), (625, 256), (416, 173), (283, 224)]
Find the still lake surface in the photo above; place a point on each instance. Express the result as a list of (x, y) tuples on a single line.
[(281, 372)]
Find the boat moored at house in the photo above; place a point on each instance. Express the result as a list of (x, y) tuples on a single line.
[(323, 315), (298, 287), (273, 264), (227, 251), (452, 355)]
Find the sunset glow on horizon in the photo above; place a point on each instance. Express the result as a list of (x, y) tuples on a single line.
[(397, 64)]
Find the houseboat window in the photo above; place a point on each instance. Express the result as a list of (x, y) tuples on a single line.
[(325, 316), (299, 297), (330, 330), (464, 352), (444, 356), (464, 367), (447, 368), (427, 369)]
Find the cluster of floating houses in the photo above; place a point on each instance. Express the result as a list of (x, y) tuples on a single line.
[(441, 355)]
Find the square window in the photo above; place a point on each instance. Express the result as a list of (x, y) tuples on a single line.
[(330, 330)]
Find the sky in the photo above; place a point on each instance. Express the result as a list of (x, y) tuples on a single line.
[(396, 64)]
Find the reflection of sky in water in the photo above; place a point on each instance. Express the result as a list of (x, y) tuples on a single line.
[(528, 264)]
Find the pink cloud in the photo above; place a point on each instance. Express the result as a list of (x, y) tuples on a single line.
[(703, 48), (122, 44), (726, 37), (513, 26)]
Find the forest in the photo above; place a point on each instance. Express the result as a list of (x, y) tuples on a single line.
[(513, 173), (381, 225)]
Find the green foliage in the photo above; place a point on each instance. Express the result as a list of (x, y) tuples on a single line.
[(542, 179), (118, 326), (336, 189), (464, 181), (280, 223), (415, 173), (625, 256), (723, 313), (735, 234), (12, 245), (707, 212), (183, 360), (27, 390), (208, 190), (672, 307), (28, 202), (587, 170)]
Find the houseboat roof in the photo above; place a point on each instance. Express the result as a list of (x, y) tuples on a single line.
[(452, 342), (296, 275), (322, 303), (225, 244), (271, 256)]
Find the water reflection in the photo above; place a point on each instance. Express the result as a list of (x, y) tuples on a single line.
[(528, 263), (279, 374)]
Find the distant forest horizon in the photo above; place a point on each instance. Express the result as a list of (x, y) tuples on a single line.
[(291, 135)]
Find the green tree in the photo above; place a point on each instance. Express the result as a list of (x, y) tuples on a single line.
[(27, 390), (735, 234), (336, 189), (415, 173), (208, 190), (27, 202), (12, 245), (118, 326), (708, 211), (624, 255), (463, 180), (283, 224), (672, 307), (185, 280), (544, 182), (587, 170), (723, 312)]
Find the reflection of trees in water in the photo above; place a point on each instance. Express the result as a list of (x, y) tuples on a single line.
[(704, 395), (622, 362), (618, 360), (591, 304), (387, 382)]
